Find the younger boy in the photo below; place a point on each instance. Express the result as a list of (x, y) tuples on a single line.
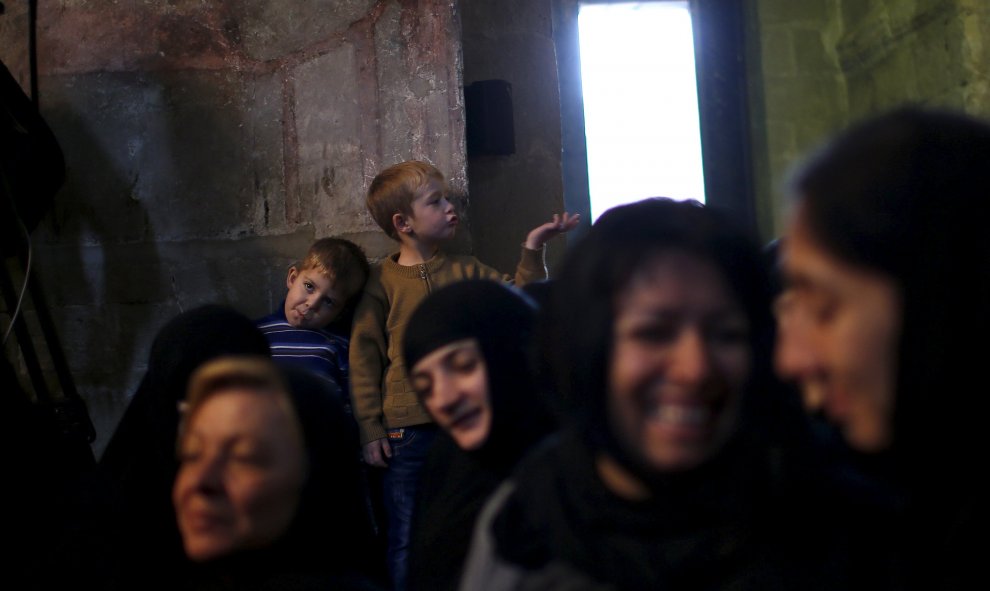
[(409, 202), (319, 288)]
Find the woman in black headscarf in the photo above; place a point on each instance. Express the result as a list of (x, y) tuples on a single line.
[(139, 463), (468, 346)]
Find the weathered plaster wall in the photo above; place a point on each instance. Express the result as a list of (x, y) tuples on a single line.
[(512, 40), (799, 94), (932, 52), (822, 64), (208, 143)]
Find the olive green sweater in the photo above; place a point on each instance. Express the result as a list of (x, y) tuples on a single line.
[(381, 395)]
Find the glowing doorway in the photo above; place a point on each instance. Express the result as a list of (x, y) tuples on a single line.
[(640, 102)]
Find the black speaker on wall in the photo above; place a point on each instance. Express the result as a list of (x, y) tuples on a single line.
[(488, 111)]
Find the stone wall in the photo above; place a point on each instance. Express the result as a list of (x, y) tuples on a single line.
[(822, 64), (513, 41), (799, 94), (208, 143), (931, 52)]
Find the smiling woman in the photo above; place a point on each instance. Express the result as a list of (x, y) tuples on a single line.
[(680, 360), (242, 463), (676, 469), (883, 324), (452, 383), (268, 479)]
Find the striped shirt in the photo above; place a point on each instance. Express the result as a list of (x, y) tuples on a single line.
[(319, 351)]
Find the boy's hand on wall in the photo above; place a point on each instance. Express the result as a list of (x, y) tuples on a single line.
[(376, 451), (561, 223)]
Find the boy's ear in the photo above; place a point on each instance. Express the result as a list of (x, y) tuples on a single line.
[(291, 277), (401, 223)]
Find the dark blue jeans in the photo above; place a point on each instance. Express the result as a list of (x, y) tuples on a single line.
[(410, 446)]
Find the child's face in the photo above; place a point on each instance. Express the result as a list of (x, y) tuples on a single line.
[(313, 300), (433, 217)]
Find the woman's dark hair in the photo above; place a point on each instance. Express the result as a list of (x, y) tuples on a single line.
[(906, 195), (577, 327)]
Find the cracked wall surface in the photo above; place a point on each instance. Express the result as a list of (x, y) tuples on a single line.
[(208, 143), (819, 65)]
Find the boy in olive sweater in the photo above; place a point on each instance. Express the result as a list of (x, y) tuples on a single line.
[(409, 202)]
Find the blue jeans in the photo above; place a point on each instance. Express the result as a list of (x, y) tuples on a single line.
[(410, 446)]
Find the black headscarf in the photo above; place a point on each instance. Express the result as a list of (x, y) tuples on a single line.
[(332, 525), (145, 436), (502, 321), (454, 484)]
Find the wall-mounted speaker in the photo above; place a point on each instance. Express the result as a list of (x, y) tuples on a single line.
[(488, 113)]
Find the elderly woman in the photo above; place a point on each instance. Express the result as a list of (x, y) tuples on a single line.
[(888, 270), (268, 490), (139, 463), (675, 473)]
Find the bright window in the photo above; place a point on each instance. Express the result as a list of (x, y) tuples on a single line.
[(640, 102)]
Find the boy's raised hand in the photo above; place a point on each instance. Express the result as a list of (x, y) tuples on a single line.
[(560, 223)]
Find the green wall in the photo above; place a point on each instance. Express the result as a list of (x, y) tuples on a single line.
[(818, 65)]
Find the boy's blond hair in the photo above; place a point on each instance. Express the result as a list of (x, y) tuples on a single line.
[(342, 261), (394, 189)]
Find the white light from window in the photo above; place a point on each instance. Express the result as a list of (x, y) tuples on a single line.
[(640, 102)]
